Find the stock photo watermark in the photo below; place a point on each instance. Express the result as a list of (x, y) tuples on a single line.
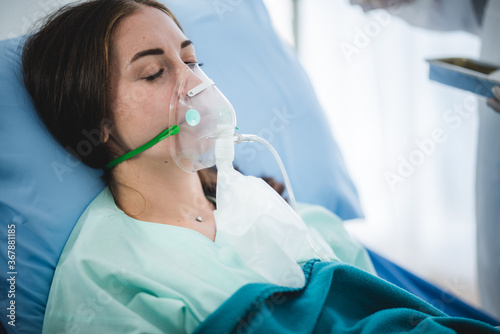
[(222, 7), (363, 36), (280, 120), (87, 310), (425, 148), (263, 309), (445, 298), (42, 9), (74, 155), (11, 274)]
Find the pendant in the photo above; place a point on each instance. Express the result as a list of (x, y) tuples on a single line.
[(199, 219)]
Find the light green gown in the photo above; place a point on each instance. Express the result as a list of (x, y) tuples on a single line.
[(121, 275)]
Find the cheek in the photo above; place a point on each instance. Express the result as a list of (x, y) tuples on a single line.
[(140, 113), (131, 98)]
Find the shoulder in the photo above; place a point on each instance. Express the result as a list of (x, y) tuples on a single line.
[(98, 227), (313, 214)]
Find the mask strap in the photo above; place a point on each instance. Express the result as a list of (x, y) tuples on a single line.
[(168, 132)]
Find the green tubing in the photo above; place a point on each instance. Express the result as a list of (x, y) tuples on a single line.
[(168, 132)]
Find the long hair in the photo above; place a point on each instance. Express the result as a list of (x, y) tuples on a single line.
[(66, 72)]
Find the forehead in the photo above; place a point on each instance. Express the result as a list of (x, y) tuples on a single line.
[(145, 29)]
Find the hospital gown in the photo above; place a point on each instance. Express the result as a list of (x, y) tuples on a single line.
[(121, 275)]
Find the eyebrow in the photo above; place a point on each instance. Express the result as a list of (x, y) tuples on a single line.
[(186, 43), (156, 51), (150, 52)]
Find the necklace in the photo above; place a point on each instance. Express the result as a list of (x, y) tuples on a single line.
[(213, 201)]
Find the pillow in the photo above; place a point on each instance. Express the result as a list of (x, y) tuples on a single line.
[(43, 189)]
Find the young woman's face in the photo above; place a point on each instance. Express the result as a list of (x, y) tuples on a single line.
[(148, 53)]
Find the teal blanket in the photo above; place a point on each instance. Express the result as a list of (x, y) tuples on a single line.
[(337, 298)]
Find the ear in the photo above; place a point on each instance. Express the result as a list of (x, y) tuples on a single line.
[(107, 127)]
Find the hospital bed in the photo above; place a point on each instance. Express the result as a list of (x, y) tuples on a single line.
[(44, 189)]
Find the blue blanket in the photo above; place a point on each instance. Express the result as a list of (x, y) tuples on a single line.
[(446, 302), (337, 298)]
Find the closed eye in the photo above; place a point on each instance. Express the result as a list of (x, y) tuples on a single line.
[(155, 76)]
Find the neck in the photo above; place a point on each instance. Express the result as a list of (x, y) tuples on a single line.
[(160, 193)]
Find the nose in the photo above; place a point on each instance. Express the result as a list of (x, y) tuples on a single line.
[(193, 83)]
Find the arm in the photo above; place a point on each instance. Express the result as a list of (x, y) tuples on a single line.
[(96, 297), (494, 103), (441, 15), (325, 226)]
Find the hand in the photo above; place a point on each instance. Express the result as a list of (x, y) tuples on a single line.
[(368, 5), (494, 103)]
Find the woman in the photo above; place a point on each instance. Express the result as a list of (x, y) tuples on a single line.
[(145, 256)]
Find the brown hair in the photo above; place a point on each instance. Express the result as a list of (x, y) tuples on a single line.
[(66, 71)]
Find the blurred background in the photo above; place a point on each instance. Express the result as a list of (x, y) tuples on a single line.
[(409, 143)]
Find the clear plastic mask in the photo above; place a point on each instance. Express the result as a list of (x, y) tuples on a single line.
[(198, 115), (202, 114)]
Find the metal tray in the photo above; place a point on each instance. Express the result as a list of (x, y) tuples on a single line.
[(467, 74)]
